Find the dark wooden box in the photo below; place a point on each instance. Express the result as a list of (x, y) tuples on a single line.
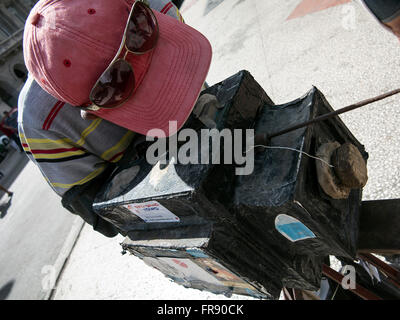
[(284, 184)]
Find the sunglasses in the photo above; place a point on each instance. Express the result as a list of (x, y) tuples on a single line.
[(117, 83)]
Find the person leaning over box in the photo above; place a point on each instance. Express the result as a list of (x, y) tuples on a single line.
[(133, 67)]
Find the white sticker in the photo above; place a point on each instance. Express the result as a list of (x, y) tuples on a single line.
[(152, 211)]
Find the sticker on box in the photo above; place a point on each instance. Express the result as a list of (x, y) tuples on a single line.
[(152, 211), (292, 229), (196, 253), (186, 270)]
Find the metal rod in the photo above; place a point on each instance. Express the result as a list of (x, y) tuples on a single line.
[(287, 294), (359, 290), (331, 114), (392, 273)]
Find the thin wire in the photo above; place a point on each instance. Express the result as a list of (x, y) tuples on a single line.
[(291, 149), (334, 294)]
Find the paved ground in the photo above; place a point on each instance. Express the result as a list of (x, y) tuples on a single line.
[(341, 50), (11, 167), (33, 230), (288, 46)]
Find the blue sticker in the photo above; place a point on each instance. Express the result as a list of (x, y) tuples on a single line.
[(197, 253), (292, 229), (253, 293)]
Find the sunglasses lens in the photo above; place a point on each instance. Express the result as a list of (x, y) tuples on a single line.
[(114, 86), (142, 32)]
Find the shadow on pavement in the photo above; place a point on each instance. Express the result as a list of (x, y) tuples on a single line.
[(212, 4), (6, 290), (4, 206)]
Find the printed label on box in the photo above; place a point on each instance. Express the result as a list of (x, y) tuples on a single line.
[(152, 211), (292, 229), (187, 270)]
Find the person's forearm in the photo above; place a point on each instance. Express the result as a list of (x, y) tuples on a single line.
[(394, 25), (387, 12)]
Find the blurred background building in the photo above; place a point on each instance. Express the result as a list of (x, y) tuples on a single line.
[(13, 73)]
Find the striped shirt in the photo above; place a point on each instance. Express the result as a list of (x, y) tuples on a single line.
[(69, 150)]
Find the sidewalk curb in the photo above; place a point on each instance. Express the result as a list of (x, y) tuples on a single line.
[(65, 252)]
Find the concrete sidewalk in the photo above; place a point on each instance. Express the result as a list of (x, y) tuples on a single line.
[(341, 50), (33, 230)]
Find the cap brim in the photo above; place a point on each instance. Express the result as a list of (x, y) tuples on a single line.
[(172, 84)]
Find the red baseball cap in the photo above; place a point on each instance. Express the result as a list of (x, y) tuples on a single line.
[(69, 43)]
